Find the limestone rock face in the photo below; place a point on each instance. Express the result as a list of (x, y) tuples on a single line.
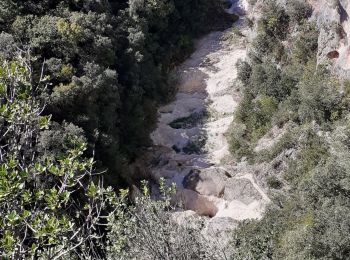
[(217, 226)]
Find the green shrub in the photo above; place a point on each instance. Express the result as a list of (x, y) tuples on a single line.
[(298, 11), (287, 111), (239, 145), (275, 21), (52, 203), (312, 150), (253, 120), (305, 46), (244, 71), (274, 183), (319, 96)]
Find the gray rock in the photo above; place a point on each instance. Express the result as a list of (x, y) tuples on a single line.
[(210, 181), (241, 189)]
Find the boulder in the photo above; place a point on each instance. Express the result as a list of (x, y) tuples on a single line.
[(209, 181), (191, 200)]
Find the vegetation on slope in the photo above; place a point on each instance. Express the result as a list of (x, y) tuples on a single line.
[(283, 85)]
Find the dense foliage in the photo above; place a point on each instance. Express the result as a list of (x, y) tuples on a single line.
[(108, 63), (49, 203), (280, 83)]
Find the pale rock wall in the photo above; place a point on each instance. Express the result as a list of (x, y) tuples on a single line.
[(332, 18)]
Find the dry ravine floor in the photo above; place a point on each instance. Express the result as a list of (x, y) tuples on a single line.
[(193, 151)]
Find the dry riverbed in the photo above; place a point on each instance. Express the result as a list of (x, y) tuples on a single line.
[(191, 135)]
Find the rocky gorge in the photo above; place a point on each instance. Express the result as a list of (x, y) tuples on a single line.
[(190, 142), (191, 147)]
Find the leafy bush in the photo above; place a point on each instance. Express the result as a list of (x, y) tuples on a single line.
[(275, 21), (319, 97), (308, 219), (274, 183), (244, 71), (149, 230), (51, 206), (305, 46), (239, 146), (253, 120)]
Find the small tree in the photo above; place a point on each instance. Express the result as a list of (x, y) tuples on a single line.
[(50, 205)]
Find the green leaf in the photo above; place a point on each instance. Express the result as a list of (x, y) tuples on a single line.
[(54, 170), (3, 170), (12, 217), (7, 241), (24, 174), (44, 121), (2, 88), (92, 190), (65, 196), (39, 168), (26, 196), (39, 194), (52, 199)]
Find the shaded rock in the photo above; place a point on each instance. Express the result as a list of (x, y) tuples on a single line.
[(202, 205), (333, 55), (140, 169), (210, 181)]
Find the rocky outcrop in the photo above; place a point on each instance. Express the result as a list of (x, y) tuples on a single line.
[(238, 7), (332, 18), (241, 189)]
